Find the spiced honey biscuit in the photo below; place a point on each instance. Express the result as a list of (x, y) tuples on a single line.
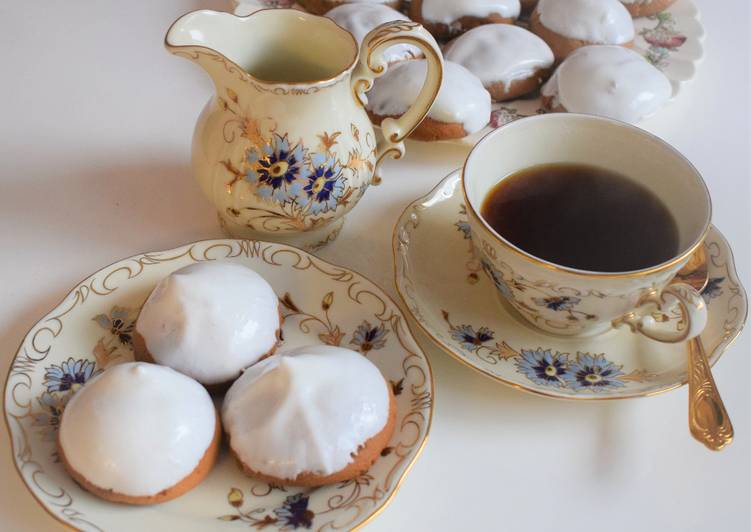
[(309, 417), (321, 7), (360, 19), (570, 24), (609, 81), (139, 434), (509, 61), (448, 18), (461, 108), (209, 320), (646, 8)]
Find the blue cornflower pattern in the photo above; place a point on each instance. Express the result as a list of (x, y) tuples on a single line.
[(48, 419), (498, 279), (713, 288), (294, 512), (120, 322), (469, 338), (70, 375), (463, 226), (278, 169), (368, 337), (322, 187), (557, 303), (594, 373), (543, 367)]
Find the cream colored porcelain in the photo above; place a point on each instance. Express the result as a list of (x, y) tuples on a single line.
[(91, 329), (439, 276), (285, 149), (577, 302)]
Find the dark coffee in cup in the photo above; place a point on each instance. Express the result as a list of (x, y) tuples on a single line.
[(582, 217)]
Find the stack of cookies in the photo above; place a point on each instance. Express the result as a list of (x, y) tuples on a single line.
[(146, 432), (575, 52)]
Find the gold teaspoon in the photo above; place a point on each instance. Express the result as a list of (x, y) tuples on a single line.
[(707, 418)]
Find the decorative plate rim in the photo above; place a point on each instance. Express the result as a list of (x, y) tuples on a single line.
[(396, 243), (370, 517)]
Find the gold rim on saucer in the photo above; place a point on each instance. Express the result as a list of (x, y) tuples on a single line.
[(437, 216)]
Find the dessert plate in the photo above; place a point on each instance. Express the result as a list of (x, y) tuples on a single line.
[(444, 288), (91, 330)]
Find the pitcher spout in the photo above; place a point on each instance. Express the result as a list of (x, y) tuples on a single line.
[(197, 36), (269, 47)]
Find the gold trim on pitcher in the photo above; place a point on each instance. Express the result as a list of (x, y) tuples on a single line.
[(264, 84)]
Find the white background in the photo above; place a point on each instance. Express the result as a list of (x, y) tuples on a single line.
[(94, 147)]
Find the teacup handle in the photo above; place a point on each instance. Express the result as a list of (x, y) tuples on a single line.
[(692, 308), (372, 65)]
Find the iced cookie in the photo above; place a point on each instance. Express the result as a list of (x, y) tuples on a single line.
[(321, 7), (646, 8), (139, 434), (609, 81), (360, 19), (448, 18), (570, 24), (209, 320), (313, 416), (461, 108), (509, 60)]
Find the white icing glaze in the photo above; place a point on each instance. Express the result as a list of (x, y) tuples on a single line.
[(462, 98), (308, 410), (359, 20), (449, 11), (137, 428), (500, 53), (608, 81), (210, 320), (595, 21)]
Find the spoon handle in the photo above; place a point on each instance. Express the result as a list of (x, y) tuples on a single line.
[(708, 420)]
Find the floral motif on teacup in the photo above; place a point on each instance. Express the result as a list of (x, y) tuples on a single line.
[(560, 307)]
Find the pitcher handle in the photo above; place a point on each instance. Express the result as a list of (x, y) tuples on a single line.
[(373, 65)]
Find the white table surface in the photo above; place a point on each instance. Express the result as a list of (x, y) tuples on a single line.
[(94, 145)]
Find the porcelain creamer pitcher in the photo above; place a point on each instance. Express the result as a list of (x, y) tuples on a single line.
[(284, 148)]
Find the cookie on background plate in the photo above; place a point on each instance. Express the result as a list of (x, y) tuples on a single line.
[(509, 60), (448, 18), (570, 24), (609, 81), (360, 19), (321, 7), (461, 108)]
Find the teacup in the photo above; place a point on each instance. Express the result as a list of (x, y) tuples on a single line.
[(567, 301)]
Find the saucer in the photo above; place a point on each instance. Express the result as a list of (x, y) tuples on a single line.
[(444, 288), (91, 330)]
